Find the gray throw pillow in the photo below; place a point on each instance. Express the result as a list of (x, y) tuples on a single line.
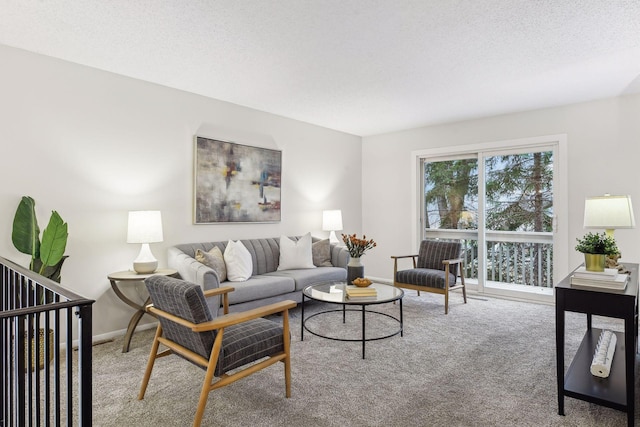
[(213, 259), (321, 252)]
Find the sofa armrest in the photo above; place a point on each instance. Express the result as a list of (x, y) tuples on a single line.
[(192, 270), (339, 256)]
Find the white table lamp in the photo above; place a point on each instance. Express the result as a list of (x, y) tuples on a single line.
[(332, 221), (608, 212), (145, 227)]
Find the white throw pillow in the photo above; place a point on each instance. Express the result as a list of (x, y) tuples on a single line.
[(295, 254), (238, 261)]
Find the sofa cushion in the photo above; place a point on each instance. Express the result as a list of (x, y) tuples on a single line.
[(260, 287), (295, 254), (214, 259), (238, 261), (306, 277), (321, 253)]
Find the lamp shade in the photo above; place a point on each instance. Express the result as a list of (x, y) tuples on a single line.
[(332, 220), (608, 212), (144, 227)]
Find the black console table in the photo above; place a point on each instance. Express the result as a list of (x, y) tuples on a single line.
[(617, 390)]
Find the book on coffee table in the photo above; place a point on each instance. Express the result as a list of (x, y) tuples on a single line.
[(354, 292)]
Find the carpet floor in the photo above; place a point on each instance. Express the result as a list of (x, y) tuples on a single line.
[(490, 362)]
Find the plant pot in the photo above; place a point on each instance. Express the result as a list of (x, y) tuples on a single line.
[(40, 362), (594, 262), (355, 269)]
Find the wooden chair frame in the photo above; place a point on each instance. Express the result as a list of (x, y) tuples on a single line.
[(447, 264), (219, 324)]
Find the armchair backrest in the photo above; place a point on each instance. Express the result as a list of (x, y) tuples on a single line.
[(185, 300), (433, 252)]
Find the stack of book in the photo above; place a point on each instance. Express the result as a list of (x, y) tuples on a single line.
[(609, 278), (356, 293)]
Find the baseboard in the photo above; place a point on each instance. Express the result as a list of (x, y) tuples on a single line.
[(96, 339)]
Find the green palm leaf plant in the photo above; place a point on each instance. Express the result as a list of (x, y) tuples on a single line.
[(47, 256)]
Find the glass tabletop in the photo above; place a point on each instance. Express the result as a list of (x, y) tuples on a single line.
[(335, 292)]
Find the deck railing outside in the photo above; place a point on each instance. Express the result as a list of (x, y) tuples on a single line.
[(512, 257), (43, 383)]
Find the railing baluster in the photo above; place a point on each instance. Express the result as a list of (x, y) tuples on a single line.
[(47, 370), (56, 367), (85, 358), (69, 356)]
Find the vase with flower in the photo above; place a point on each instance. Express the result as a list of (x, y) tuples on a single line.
[(356, 248)]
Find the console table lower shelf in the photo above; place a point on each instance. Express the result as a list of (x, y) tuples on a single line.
[(580, 384)]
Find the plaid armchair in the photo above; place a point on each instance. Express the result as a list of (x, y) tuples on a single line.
[(436, 269), (218, 345)]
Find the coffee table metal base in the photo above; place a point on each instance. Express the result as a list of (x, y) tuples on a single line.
[(363, 339)]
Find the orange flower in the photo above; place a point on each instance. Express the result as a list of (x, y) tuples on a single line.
[(357, 247)]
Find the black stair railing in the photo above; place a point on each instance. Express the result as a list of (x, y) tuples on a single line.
[(45, 373)]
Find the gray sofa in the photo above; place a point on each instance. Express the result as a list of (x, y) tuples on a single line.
[(267, 284)]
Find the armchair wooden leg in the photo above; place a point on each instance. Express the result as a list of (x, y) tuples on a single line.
[(150, 363), (208, 378), (464, 289), (204, 394), (287, 348), (446, 300)]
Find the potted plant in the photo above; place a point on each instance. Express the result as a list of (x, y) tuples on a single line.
[(596, 247), (47, 256)]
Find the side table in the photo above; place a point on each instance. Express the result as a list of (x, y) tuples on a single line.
[(128, 277), (618, 390)]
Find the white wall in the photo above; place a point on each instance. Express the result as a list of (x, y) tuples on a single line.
[(603, 150), (94, 145)]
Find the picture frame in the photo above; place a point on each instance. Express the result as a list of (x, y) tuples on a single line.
[(236, 183)]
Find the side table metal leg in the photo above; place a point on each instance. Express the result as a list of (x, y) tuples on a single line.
[(302, 319), (363, 331), (630, 356), (401, 320), (560, 350)]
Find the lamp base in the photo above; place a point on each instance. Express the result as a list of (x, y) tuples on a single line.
[(145, 267), (146, 263), (333, 239)]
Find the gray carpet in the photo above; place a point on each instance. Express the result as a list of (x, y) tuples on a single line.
[(490, 362)]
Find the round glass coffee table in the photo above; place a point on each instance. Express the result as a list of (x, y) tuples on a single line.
[(336, 293)]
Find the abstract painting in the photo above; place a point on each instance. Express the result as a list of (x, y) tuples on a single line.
[(236, 183)]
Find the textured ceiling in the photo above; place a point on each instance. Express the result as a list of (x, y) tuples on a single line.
[(359, 66)]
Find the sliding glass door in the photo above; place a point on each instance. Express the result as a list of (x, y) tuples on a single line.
[(500, 203)]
